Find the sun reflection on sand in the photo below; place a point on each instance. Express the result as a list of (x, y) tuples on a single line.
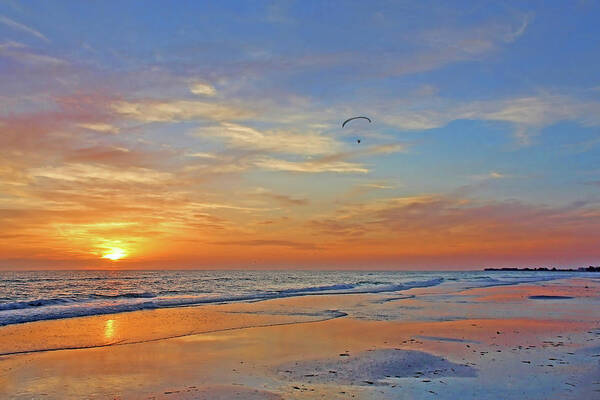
[(109, 329)]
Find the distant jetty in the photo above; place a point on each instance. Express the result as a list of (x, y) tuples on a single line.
[(553, 269)]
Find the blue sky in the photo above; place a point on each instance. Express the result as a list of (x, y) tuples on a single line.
[(239, 105)]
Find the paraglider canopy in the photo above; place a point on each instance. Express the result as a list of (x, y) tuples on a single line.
[(350, 119)]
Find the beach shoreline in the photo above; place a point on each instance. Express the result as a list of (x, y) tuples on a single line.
[(430, 342)]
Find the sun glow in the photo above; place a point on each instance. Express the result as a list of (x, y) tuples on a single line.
[(115, 254)]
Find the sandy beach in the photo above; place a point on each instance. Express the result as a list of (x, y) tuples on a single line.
[(528, 341)]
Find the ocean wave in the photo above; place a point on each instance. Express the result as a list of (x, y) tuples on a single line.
[(317, 288), (19, 305), (47, 309), (144, 295)]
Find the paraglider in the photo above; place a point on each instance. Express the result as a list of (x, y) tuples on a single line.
[(350, 119)]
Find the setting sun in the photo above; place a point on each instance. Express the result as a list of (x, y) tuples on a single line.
[(115, 253)]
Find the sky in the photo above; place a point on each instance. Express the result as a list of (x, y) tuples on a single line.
[(208, 134)]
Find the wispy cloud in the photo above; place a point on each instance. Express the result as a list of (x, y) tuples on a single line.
[(178, 110), (278, 141), (277, 12), (584, 146), (21, 53), (203, 89), (310, 166), (388, 148), (283, 199), (226, 206), (377, 186), (448, 45), (87, 172), (437, 225), (270, 243), (99, 127), (527, 114), (490, 175), (23, 28), (335, 162), (314, 152), (514, 34), (201, 155)]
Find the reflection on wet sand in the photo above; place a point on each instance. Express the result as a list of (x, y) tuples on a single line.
[(109, 329)]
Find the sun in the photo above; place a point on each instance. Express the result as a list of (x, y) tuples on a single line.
[(115, 254)]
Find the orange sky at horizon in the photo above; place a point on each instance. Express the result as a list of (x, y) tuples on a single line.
[(390, 235)]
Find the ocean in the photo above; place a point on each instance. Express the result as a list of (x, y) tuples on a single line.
[(27, 296)]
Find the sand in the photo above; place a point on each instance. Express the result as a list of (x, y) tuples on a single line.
[(531, 341)]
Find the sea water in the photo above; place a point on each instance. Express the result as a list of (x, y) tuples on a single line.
[(27, 296)]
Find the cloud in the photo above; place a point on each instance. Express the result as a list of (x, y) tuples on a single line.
[(527, 114), (115, 156), (534, 110), (216, 165), (448, 45), (426, 90), (309, 166), (416, 120), (213, 206), (23, 28), (362, 189), (11, 45), (278, 12), (270, 243), (99, 127), (87, 172), (437, 225), (490, 175), (331, 162), (279, 198), (22, 54), (278, 141), (376, 186), (584, 146), (203, 89), (201, 155), (178, 110), (361, 151), (419, 51), (513, 35)]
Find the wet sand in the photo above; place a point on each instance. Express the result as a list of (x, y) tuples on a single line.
[(530, 341)]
